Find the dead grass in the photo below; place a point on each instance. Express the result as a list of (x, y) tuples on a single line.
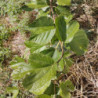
[(84, 74)]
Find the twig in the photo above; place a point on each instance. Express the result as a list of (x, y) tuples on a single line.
[(51, 9)]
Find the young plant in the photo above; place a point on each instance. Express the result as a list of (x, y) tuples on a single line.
[(54, 35)]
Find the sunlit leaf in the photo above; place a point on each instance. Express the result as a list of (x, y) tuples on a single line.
[(44, 38), (38, 84)]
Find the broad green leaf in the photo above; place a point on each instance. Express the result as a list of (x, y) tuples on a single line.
[(72, 29), (44, 27), (37, 4), (65, 89), (44, 38), (79, 43), (40, 84), (38, 60), (43, 21), (39, 30), (13, 90), (35, 75), (41, 25), (21, 71), (43, 96), (64, 2), (60, 28)]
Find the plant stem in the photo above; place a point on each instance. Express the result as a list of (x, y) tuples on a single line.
[(61, 43), (51, 10)]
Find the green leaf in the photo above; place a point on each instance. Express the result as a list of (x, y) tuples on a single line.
[(38, 50), (41, 80), (68, 18), (37, 4), (43, 96), (65, 89), (33, 46), (44, 38), (20, 68), (16, 62), (43, 21), (48, 52), (64, 2), (26, 8), (63, 11), (67, 95), (41, 25), (35, 75), (60, 28), (39, 30), (57, 55), (44, 27), (38, 60), (79, 43), (21, 71), (50, 89), (61, 65), (68, 64), (13, 90), (72, 29)]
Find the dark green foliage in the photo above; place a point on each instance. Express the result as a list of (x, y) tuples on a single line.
[(60, 28)]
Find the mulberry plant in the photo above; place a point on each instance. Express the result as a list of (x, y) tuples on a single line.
[(54, 37)]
